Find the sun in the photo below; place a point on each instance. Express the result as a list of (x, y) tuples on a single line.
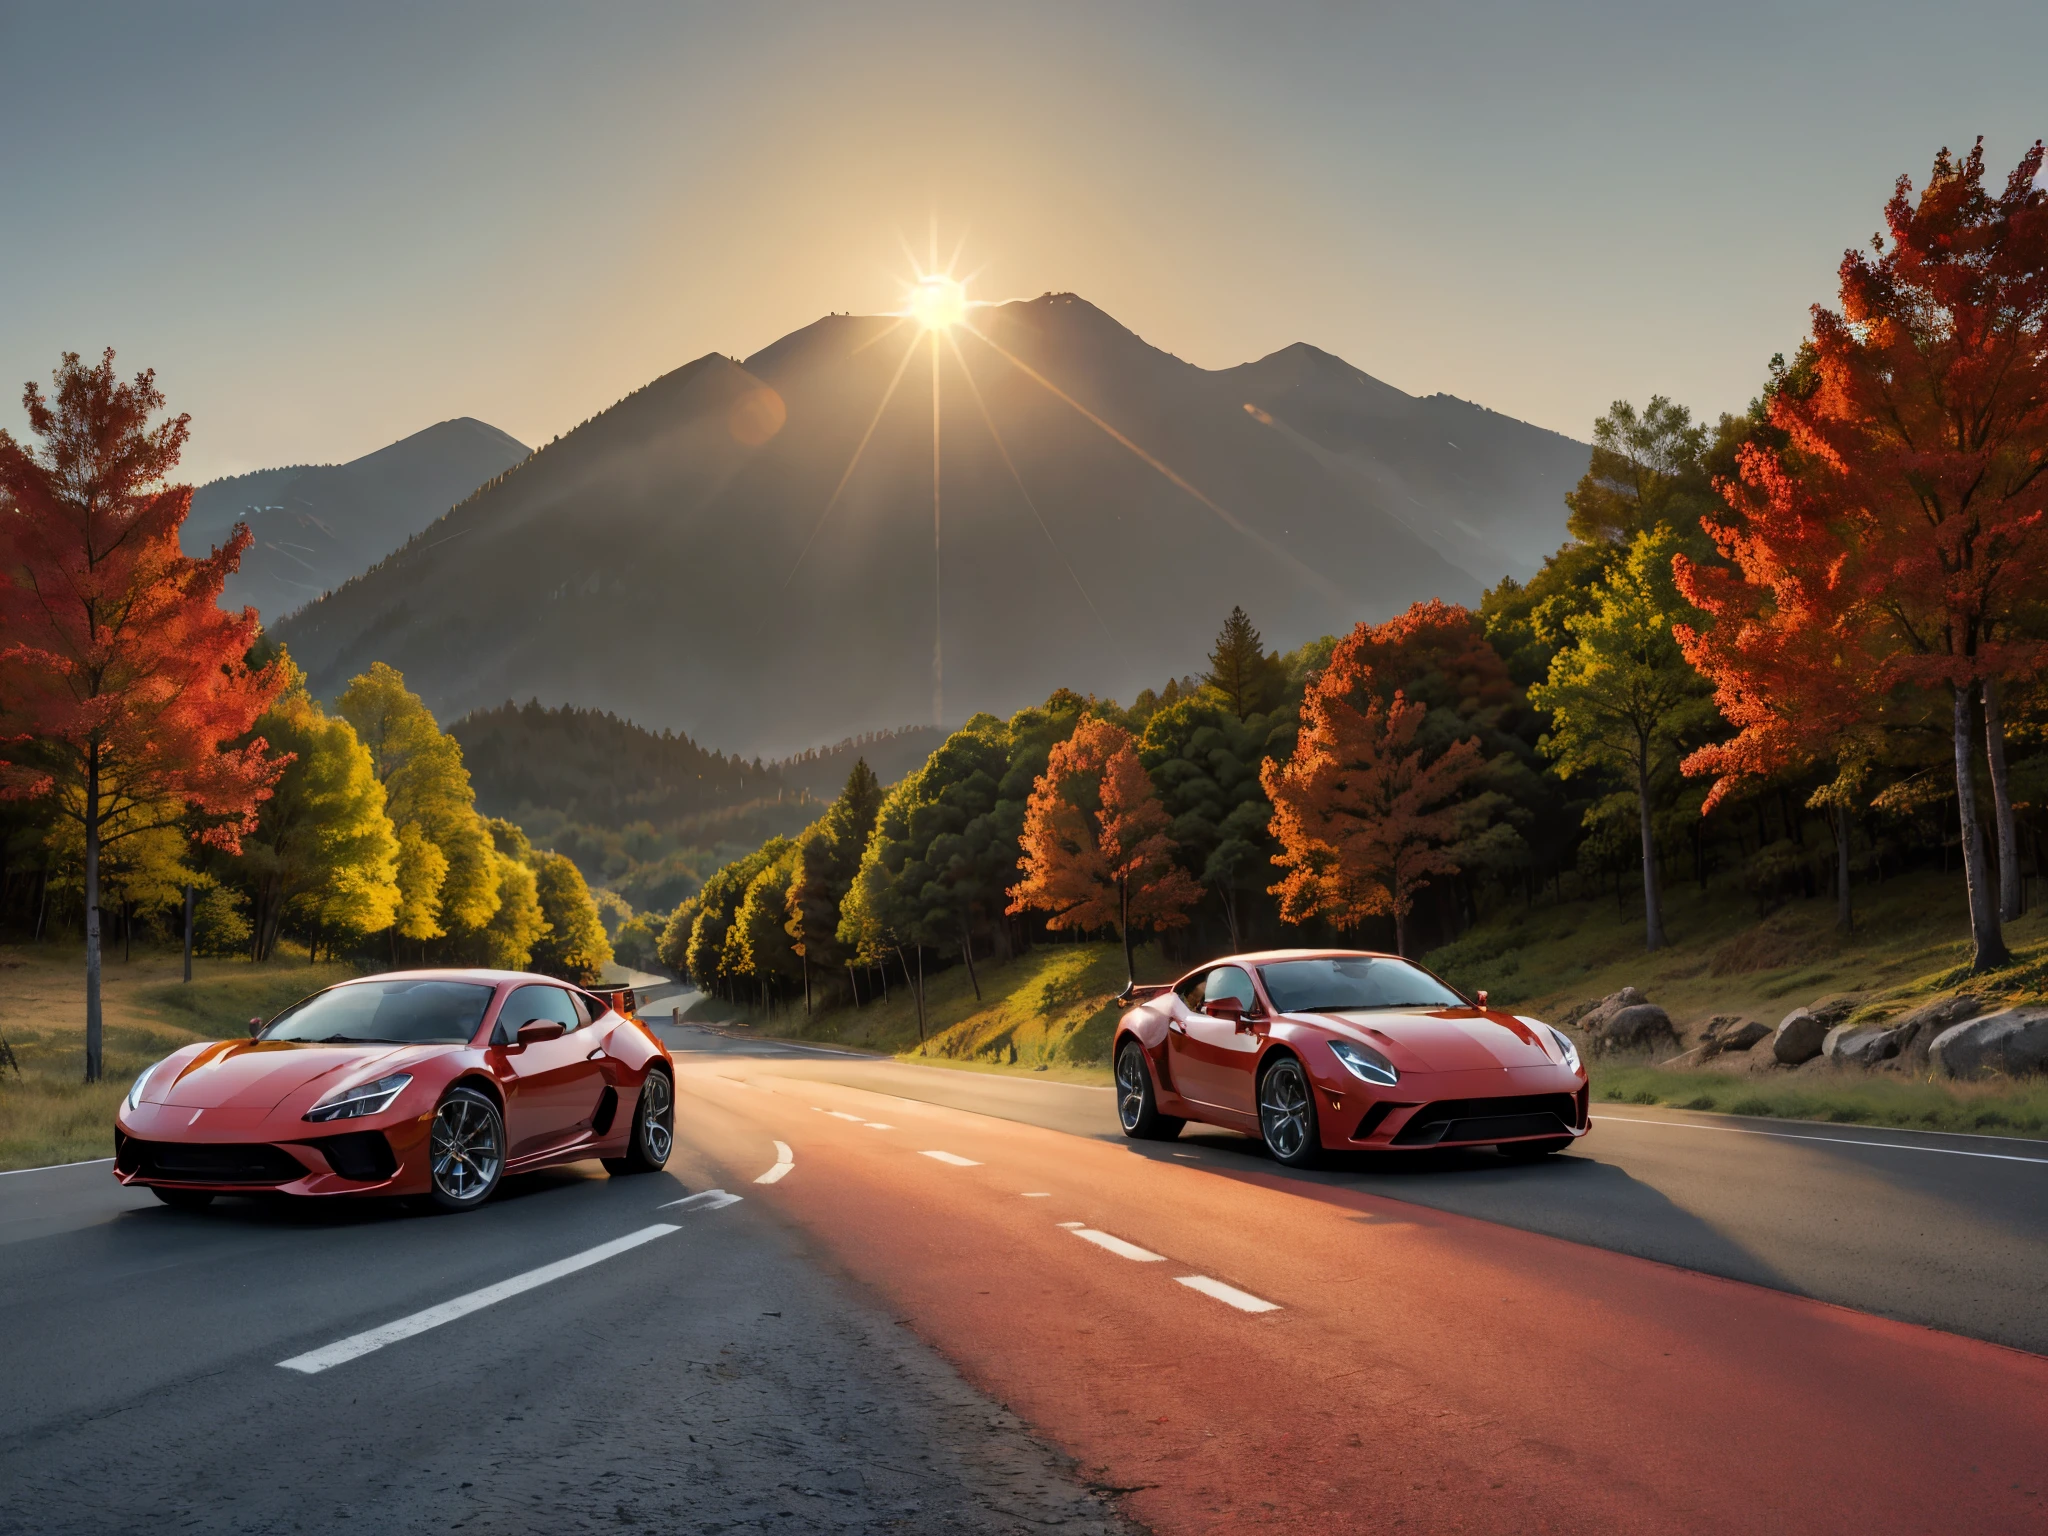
[(937, 302)]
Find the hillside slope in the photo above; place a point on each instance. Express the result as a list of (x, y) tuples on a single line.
[(316, 525), (778, 598)]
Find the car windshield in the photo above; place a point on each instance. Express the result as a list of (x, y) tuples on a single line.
[(386, 1012), (1353, 981)]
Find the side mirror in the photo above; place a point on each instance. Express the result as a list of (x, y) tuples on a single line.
[(533, 1031), (1482, 997), (1233, 1010), (256, 1026)]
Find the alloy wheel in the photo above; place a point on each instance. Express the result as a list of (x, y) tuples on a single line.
[(1284, 1109), (1130, 1088), (657, 1117), (467, 1153)]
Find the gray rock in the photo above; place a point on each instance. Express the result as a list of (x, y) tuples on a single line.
[(1731, 1032), (1915, 1031), (2014, 1041), (1859, 1045), (1625, 1021), (1800, 1036)]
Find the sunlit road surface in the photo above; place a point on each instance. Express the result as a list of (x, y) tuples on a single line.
[(1239, 1346)]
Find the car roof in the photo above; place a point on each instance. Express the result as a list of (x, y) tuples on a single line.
[(476, 974), (1267, 956)]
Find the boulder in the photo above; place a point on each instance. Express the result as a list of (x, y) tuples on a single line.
[(1914, 1032), (2014, 1041), (1800, 1036), (1731, 1032), (1859, 1045), (1627, 1021)]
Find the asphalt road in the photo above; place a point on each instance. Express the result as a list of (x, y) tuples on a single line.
[(716, 1377), (952, 1301), (1948, 1231), (1238, 1345)]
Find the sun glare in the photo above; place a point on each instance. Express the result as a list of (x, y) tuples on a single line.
[(938, 303)]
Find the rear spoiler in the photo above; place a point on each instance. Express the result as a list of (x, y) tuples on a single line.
[(1143, 992), (620, 1000)]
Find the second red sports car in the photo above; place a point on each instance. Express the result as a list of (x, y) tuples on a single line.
[(1328, 1050), (434, 1084)]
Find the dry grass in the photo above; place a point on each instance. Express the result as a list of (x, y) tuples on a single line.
[(1842, 1096), (1911, 944), (50, 1114)]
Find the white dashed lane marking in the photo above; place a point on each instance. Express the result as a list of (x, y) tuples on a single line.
[(954, 1158), (1229, 1295), (1117, 1245), (784, 1161), (313, 1362)]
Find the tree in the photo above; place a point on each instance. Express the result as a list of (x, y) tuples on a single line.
[(425, 786), (828, 856), (1621, 696), (1096, 849), (1645, 472), (757, 946), (1923, 447), (574, 947), (323, 850), (1249, 679), (1205, 761), (1360, 815), (1782, 643), (123, 678), (716, 906)]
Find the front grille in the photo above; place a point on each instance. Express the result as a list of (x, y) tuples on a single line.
[(1484, 1120), (363, 1155), (198, 1162)]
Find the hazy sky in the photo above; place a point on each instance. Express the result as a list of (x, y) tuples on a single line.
[(330, 225)]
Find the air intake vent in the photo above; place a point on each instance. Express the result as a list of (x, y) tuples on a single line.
[(1480, 1121), (363, 1155), (202, 1162), (607, 1106)]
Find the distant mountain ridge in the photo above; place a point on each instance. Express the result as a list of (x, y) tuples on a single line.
[(701, 557), (316, 525)]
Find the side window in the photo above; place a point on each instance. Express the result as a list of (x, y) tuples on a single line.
[(1231, 981), (1190, 991), (592, 1008), (529, 1003)]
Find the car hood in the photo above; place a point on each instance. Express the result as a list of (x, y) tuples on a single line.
[(1445, 1040), (258, 1074)]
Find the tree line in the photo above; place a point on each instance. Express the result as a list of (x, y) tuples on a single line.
[(1805, 641)]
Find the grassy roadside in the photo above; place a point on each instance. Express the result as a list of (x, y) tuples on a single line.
[(1843, 1096), (1051, 1011), (49, 1114)]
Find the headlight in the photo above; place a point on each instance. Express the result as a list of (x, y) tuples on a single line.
[(141, 1082), (1564, 1045), (1363, 1061), (362, 1099)]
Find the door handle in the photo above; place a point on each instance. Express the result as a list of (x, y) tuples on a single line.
[(1176, 1026), (595, 1055)]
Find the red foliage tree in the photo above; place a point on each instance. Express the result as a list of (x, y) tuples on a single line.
[(121, 680), (1784, 646), (1915, 487), (1440, 649), (1361, 818), (1096, 850)]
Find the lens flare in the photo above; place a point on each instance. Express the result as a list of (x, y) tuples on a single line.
[(938, 302)]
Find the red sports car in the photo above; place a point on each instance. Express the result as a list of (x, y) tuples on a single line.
[(433, 1084), (1335, 1050)]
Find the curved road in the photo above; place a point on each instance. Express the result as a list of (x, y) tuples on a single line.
[(953, 1301)]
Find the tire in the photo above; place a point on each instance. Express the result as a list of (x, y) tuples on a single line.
[(1287, 1114), (654, 1129), (465, 1150), (183, 1199), (1533, 1151), (1137, 1105)]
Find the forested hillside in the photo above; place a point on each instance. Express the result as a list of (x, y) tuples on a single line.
[(769, 527)]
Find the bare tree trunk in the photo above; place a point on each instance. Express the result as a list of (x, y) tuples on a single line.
[(1228, 897), (1845, 916), (1123, 896), (967, 954), (1991, 952), (188, 933), (1653, 906), (43, 902), (93, 1034), (2010, 895), (1401, 928), (853, 983), (806, 959), (916, 991)]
